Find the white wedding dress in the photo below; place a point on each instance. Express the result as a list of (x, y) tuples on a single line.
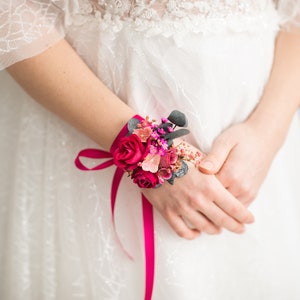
[(209, 59)]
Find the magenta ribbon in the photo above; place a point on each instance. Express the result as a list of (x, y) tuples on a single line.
[(148, 220)]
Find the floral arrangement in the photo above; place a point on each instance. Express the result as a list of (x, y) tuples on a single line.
[(148, 153)]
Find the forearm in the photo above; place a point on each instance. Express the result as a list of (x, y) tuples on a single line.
[(263, 133), (281, 97), (59, 80)]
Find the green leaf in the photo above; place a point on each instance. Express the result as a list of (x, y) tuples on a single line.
[(171, 180), (165, 126), (176, 134), (178, 118), (183, 169), (132, 124)]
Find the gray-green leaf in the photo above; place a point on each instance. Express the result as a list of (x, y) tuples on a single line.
[(132, 125), (178, 118)]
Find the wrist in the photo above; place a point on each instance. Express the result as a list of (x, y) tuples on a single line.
[(271, 126)]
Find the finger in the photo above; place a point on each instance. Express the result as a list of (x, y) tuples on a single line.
[(242, 191), (220, 218), (181, 228), (224, 199), (214, 160), (223, 209), (225, 177), (195, 219), (233, 189), (245, 199), (233, 207), (231, 173)]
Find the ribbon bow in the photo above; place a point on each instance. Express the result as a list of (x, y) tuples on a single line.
[(148, 221)]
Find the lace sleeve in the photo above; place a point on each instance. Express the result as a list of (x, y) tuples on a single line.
[(27, 27), (289, 11)]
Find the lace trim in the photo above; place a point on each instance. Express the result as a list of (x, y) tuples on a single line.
[(24, 22), (170, 17), (155, 10)]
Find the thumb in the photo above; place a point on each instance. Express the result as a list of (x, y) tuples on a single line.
[(215, 159)]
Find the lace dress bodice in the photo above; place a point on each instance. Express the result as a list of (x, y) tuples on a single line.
[(169, 16), (155, 10), (27, 27)]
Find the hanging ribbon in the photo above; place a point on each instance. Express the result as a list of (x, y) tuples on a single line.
[(148, 221)]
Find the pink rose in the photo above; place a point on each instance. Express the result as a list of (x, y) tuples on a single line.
[(165, 174), (169, 158), (144, 179), (130, 152)]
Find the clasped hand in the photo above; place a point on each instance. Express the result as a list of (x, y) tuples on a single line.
[(218, 196), (197, 203)]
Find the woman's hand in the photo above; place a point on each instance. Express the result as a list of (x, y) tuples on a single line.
[(198, 203), (242, 154), (241, 157)]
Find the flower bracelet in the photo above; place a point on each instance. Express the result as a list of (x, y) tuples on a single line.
[(148, 153)]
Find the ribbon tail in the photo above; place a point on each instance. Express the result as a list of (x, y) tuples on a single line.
[(149, 245), (93, 154), (114, 189), (148, 223)]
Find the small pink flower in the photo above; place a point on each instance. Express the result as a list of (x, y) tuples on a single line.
[(143, 133), (151, 163), (164, 144), (153, 149), (161, 131), (169, 158), (155, 135), (164, 174)]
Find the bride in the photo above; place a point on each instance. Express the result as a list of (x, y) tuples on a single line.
[(74, 73)]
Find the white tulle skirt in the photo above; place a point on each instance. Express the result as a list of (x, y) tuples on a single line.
[(57, 240)]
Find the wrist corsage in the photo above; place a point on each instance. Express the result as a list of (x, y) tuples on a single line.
[(148, 153)]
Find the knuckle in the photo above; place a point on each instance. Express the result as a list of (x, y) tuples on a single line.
[(234, 210), (245, 188), (167, 212), (223, 222), (234, 178), (194, 203)]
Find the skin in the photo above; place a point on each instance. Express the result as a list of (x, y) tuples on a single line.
[(60, 81), (260, 137)]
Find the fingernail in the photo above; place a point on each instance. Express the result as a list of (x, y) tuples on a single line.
[(208, 165)]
